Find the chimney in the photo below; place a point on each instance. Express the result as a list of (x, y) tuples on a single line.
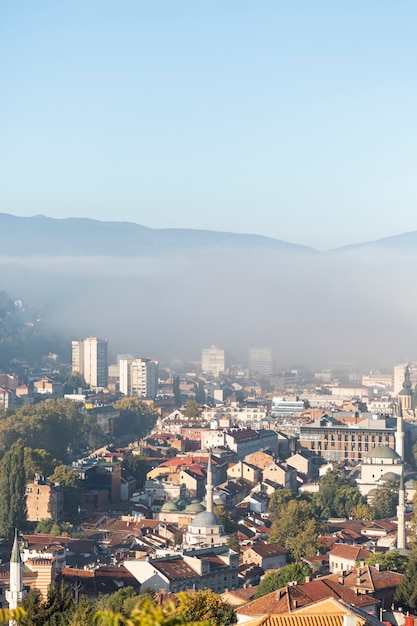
[(349, 620), (409, 620)]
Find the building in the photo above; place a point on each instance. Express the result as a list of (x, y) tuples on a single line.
[(260, 361), (213, 361), (266, 555), (335, 441), (138, 378), (89, 358), (44, 500), (16, 593)]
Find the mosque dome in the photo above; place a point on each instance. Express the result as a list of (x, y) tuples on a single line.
[(205, 520), (389, 476), (194, 507), (169, 506), (383, 452)]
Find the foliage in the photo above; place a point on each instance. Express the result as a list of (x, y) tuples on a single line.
[(276, 580), (119, 602), (406, 592), (386, 500), (49, 526), (227, 518), (136, 417), (137, 467), (192, 409), (38, 461), (177, 392), (338, 494), (74, 382), (233, 542), (205, 606), (71, 484), (392, 561), (58, 424), (362, 511), (17, 615), (279, 499), (295, 529), (13, 510), (145, 613), (55, 611)]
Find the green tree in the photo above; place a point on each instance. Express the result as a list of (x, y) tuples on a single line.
[(276, 580), (233, 542), (334, 487), (13, 510), (74, 382), (71, 484), (227, 518), (120, 601), (38, 461), (136, 417), (362, 511), (279, 499), (146, 613), (406, 592), (295, 529), (137, 467), (386, 500), (177, 392), (206, 606), (55, 611), (192, 409), (392, 561)]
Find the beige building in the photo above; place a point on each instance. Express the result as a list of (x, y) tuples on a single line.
[(244, 470), (44, 500), (266, 555), (213, 361), (89, 358)]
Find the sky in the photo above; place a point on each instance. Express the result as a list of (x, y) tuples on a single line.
[(295, 120)]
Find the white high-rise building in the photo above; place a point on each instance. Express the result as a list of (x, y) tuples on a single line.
[(138, 378), (89, 358), (213, 361), (260, 361)]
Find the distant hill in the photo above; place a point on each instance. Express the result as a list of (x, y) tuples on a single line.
[(405, 243), (45, 236)]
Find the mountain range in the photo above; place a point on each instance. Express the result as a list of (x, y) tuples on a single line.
[(167, 293)]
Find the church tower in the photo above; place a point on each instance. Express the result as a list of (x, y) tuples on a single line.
[(15, 594), (405, 403)]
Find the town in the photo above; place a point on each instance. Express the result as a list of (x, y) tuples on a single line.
[(275, 490)]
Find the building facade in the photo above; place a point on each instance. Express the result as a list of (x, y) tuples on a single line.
[(89, 358)]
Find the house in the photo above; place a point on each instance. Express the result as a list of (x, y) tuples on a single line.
[(266, 555), (245, 470), (343, 557), (378, 583), (281, 474)]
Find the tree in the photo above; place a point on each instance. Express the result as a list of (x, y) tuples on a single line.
[(386, 500), (233, 542), (227, 518), (71, 484), (38, 461), (279, 499), (136, 417), (276, 580), (13, 510), (120, 601), (55, 611), (362, 511), (295, 529), (74, 382), (192, 409), (335, 488), (392, 561), (406, 592), (146, 613), (137, 467), (206, 606), (177, 392)]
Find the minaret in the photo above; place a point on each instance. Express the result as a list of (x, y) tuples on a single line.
[(209, 487), (15, 594), (399, 433), (401, 541)]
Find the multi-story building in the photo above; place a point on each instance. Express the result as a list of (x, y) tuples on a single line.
[(260, 361), (44, 500), (138, 378), (89, 358), (334, 441), (213, 361)]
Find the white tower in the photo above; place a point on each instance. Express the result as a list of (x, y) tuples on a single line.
[(16, 593), (401, 540), (209, 486)]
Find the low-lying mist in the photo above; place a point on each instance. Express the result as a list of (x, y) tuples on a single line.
[(308, 308)]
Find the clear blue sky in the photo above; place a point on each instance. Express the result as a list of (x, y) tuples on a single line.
[(295, 120)]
